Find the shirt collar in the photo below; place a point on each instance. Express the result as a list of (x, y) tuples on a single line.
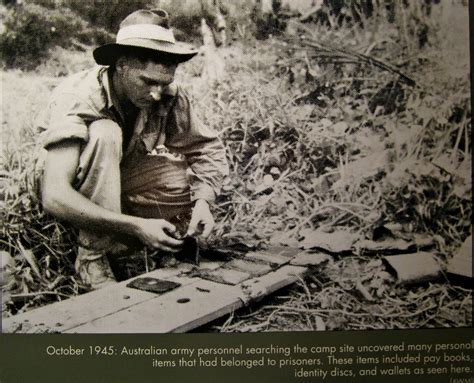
[(112, 100)]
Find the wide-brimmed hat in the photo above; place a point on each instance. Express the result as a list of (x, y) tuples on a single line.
[(146, 30)]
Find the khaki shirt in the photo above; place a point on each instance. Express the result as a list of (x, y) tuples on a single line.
[(88, 96)]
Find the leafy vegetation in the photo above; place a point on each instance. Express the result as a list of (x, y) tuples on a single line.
[(31, 31), (354, 127)]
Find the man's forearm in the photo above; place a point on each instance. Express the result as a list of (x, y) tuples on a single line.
[(69, 205), (83, 213)]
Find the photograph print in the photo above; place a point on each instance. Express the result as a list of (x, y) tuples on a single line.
[(235, 166)]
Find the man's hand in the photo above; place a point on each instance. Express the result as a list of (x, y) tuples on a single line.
[(202, 221), (156, 233)]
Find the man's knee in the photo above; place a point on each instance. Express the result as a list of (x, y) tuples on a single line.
[(106, 133)]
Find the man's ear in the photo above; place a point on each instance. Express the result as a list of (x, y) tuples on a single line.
[(121, 63)]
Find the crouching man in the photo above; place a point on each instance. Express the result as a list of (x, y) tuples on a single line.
[(125, 153)]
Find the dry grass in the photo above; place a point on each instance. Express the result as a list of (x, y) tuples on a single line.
[(333, 299)]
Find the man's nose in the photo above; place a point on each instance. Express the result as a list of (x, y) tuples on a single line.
[(155, 93)]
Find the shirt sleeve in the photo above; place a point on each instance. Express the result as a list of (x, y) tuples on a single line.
[(66, 117), (203, 150)]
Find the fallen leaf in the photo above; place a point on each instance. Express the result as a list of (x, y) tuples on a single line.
[(280, 238), (396, 245), (266, 184), (369, 141), (361, 169), (445, 162), (339, 128), (325, 123), (310, 259), (302, 112), (6, 260), (462, 180), (363, 291), (461, 263), (30, 258)]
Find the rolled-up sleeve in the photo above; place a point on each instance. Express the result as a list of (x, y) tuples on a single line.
[(201, 146), (66, 118)]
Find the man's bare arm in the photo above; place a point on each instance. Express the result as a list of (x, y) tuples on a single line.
[(63, 201)]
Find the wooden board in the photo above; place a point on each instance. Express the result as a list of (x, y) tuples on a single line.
[(414, 268), (70, 313), (226, 276), (274, 260), (209, 265), (191, 306), (201, 302), (255, 289), (255, 269), (121, 309)]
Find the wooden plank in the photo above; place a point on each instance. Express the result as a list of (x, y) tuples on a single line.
[(206, 264), (70, 313), (255, 269), (338, 241), (414, 268), (274, 260), (255, 289), (180, 310), (119, 309), (61, 316), (226, 276)]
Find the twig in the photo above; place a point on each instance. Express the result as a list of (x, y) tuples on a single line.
[(348, 54), (343, 312), (26, 295)]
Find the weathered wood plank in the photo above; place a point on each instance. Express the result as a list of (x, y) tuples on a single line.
[(120, 309), (206, 264), (226, 276), (414, 268), (255, 269), (255, 289), (274, 260), (338, 241), (61, 316), (180, 310)]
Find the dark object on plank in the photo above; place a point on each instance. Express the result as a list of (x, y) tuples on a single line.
[(153, 285)]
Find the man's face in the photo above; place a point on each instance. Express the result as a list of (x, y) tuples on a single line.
[(143, 83)]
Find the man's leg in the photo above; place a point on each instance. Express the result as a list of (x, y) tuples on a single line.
[(98, 179), (157, 186)]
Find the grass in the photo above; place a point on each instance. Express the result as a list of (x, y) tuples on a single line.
[(311, 145), (331, 299)]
